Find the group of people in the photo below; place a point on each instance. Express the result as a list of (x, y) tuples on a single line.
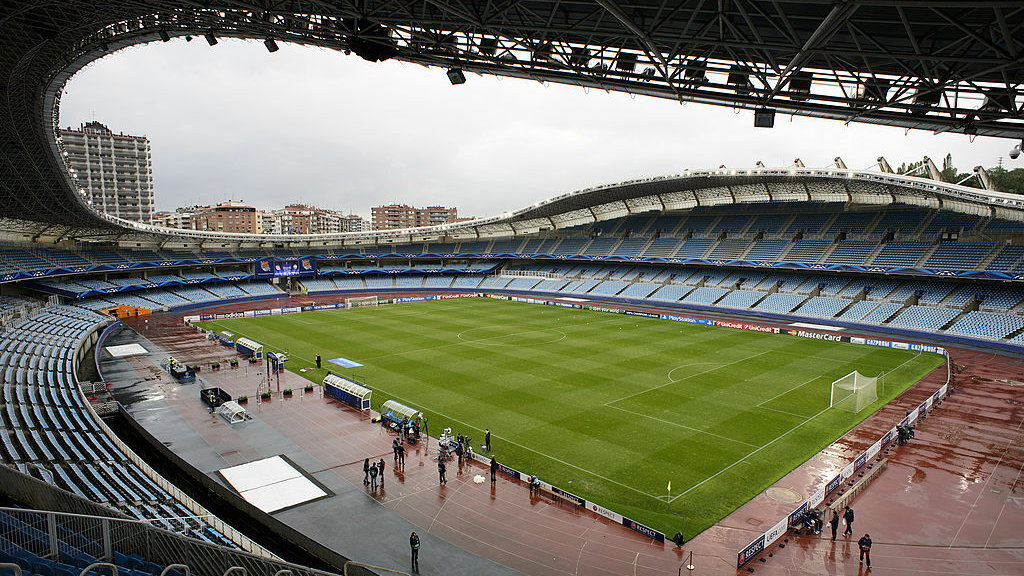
[(864, 544), (372, 471), (399, 449)]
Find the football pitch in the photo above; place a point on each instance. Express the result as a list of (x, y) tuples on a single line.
[(613, 408)]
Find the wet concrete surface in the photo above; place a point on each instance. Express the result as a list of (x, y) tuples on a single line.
[(950, 502)]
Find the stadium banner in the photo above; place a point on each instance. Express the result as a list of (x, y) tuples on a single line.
[(795, 515), (775, 532), (687, 319), (847, 471), (833, 484), (306, 309), (568, 495), (207, 317), (860, 461), (815, 499), (453, 296), (604, 309), (290, 310), (874, 449), (249, 313), (743, 326), (887, 438), (641, 314), (262, 312), (325, 306), (189, 319), (413, 299), (514, 473), (613, 516), (751, 551), (593, 507), (642, 529)]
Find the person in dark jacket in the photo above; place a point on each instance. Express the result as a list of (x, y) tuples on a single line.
[(373, 476), (440, 472), (494, 471), (414, 545), (317, 361), (366, 471), (848, 516), (834, 522), (401, 456), (380, 471), (487, 439), (865, 549)]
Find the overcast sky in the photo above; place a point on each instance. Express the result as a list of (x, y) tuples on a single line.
[(233, 121)]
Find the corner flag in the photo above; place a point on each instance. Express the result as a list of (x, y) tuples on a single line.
[(670, 486)]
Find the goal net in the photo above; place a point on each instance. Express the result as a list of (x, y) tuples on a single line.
[(853, 392), (357, 301)]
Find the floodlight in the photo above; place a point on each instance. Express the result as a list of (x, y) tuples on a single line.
[(764, 118), (271, 45), (456, 76), (210, 38), (164, 36)]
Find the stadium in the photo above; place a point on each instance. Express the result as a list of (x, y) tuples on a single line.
[(650, 376)]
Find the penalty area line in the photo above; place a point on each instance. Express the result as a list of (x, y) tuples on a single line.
[(528, 449), (730, 466)]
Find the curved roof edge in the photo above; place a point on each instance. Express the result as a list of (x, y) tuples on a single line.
[(676, 192)]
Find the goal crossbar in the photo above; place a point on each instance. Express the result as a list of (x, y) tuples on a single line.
[(357, 301), (854, 392)]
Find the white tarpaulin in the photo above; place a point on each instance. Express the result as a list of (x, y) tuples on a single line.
[(271, 484), (126, 350)]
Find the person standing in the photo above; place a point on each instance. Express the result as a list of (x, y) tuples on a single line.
[(834, 522), (380, 471), (487, 439), (394, 448), (366, 471), (865, 549), (848, 516), (401, 456), (458, 452), (494, 471), (373, 476), (414, 545), (440, 471), (317, 361)]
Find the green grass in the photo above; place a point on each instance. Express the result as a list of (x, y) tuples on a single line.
[(610, 407)]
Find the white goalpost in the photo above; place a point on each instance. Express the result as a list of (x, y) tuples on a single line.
[(854, 392), (357, 301)]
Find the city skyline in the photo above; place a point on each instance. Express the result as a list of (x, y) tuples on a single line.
[(312, 126)]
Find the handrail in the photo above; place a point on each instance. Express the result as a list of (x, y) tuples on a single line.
[(95, 565), (170, 567)]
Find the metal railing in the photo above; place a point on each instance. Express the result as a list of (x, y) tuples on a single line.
[(94, 540)]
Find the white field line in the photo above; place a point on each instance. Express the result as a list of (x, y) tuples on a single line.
[(528, 449), (678, 425), (464, 342), (727, 468), (671, 381)]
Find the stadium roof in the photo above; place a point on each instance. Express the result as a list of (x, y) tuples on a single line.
[(670, 193), (942, 65)]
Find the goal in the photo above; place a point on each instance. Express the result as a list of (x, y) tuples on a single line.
[(854, 392), (357, 301)]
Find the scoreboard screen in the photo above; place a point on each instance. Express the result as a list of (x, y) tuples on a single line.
[(274, 268)]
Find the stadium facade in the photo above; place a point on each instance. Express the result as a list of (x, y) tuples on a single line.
[(884, 253)]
